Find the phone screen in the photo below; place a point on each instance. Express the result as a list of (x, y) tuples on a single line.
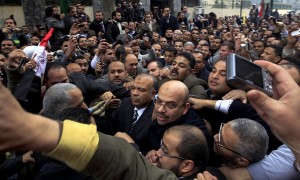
[(248, 71)]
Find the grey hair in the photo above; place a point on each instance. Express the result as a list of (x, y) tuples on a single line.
[(189, 43), (253, 138), (56, 99)]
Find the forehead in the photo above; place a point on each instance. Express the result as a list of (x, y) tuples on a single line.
[(269, 50), (81, 61), (220, 65), (6, 42), (181, 59), (116, 65), (178, 44), (57, 72), (156, 46), (152, 65), (171, 139), (143, 81), (131, 59), (198, 56)]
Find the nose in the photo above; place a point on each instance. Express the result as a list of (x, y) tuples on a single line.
[(215, 75)]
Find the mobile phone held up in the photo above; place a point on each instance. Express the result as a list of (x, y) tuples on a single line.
[(243, 74), (295, 33)]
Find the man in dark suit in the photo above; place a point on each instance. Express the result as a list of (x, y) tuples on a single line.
[(168, 21), (149, 25), (134, 114), (114, 27), (98, 25)]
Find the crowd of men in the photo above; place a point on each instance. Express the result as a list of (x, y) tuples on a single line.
[(155, 84)]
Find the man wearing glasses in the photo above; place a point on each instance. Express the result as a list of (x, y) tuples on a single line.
[(183, 150), (241, 142), (171, 109)]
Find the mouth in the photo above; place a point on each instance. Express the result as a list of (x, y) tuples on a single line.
[(213, 83), (174, 73), (161, 117)]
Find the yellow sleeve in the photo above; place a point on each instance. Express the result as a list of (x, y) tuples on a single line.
[(77, 145)]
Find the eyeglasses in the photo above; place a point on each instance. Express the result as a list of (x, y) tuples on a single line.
[(221, 145), (167, 105), (168, 155), (171, 156)]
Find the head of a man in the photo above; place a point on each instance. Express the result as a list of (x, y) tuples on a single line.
[(162, 42), (143, 90), (182, 66), (205, 49), (7, 46), (55, 73), (61, 96), (195, 34), (169, 55), (157, 49), (108, 56), (83, 63), (217, 79), (131, 63), (116, 16), (258, 47), (184, 150), (187, 36), (199, 61), (216, 44), (241, 142), (117, 72), (99, 16), (166, 11), (188, 47), (178, 46), (225, 49), (272, 53), (154, 68), (171, 102), (203, 34)]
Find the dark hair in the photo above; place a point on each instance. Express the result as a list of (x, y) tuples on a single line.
[(259, 40), (277, 49), (48, 11), (76, 114), (77, 57), (159, 64), (229, 45), (120, 51), (171, 48), (189, 57), (53, 65), (9, 40), (192, 145)]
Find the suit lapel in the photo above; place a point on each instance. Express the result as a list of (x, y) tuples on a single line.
[(145, 120)]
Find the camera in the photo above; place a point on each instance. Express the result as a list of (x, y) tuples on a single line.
[(243, 74)]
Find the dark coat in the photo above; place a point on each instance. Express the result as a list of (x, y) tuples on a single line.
[(122, 117), (112, 32), (173, 24)]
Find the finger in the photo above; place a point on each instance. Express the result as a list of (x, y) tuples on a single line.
[(200, 176)]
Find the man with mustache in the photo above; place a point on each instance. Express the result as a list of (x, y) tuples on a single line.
[(182, 70), (134, 114), (171, 109)]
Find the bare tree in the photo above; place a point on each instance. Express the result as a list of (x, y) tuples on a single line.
[(34, 12)]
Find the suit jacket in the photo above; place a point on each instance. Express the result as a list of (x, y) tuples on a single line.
[(144, 28), (122, 117), (97, 26), (173, 24), (112, 32)]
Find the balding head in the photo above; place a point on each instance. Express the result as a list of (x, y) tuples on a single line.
[(131, 63), (172, 102)]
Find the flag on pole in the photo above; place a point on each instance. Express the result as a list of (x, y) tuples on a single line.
[(244, 19), (64, 5), (261, 8)]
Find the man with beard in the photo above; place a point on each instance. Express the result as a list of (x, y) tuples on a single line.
[(182, 70), (133, 117), (85, 29), (171, 109), (183, 150), (257, 49), (114, 28), (215, 51), (98, 25), (169, 35)]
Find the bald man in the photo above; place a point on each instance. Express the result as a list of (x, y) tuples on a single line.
[(172, 108)]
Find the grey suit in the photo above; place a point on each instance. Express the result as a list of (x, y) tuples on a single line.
[(145, 27)]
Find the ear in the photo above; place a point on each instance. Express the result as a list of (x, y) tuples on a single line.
[(186, 108), (186, 166), (241, 162)]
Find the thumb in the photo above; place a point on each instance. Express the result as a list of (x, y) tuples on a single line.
[(263, 104)]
